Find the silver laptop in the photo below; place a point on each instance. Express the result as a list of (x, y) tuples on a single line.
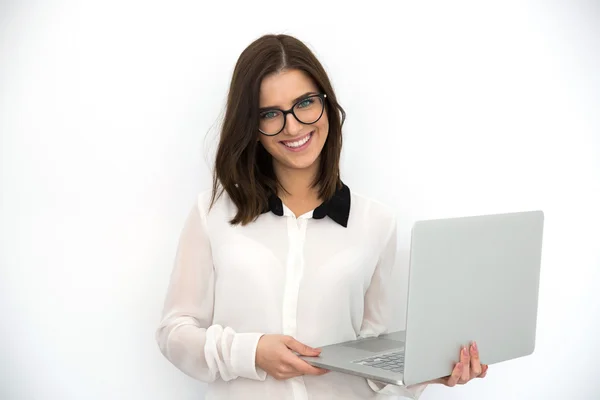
[(471, 278)]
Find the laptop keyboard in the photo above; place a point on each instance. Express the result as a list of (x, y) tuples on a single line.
[(392, 361)]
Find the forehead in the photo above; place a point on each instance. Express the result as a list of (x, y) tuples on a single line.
[(281, 88)]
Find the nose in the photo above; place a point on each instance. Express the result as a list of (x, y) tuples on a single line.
[(292, 126)]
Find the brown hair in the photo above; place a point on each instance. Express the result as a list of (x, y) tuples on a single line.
[(243, 168)]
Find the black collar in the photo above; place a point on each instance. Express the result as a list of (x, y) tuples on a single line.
[(337, 208)]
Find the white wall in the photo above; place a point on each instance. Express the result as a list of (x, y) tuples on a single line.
[(453, 109)]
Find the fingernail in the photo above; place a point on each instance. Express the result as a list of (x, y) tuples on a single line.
[(475, 346), (465, 352)]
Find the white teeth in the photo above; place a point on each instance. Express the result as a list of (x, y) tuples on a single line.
[(297, 143)]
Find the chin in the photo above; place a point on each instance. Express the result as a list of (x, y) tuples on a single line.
[(306, 165), (303, 162)]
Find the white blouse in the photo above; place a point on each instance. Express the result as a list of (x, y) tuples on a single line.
[(308, 277)]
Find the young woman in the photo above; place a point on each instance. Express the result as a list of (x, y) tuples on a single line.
[(281, 256)]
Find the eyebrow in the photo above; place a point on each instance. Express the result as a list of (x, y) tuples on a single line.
[(293, 102)]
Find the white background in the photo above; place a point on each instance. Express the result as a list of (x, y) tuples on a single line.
[(108, 118)]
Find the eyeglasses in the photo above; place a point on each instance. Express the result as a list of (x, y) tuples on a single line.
[(306, 111)]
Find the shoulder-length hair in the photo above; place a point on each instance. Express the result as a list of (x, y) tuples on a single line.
[(243, 168)]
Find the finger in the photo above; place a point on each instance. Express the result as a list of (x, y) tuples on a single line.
[(305, 368), (475, 361), (465, 359), (455, 376), (301, 348), (484, 369)]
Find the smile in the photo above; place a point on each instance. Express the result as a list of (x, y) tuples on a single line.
[(298, 144)]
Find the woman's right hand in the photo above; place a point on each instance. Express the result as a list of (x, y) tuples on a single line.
[(274, 354)]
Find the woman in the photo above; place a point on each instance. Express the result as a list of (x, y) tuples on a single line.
[(281, 255)]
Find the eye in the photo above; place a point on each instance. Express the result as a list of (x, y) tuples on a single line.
[(306, 102), (269, 114)]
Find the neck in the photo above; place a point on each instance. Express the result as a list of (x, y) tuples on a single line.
[(297, 182), (299, 195)]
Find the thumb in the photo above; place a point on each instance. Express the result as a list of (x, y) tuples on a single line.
[(301, 348)]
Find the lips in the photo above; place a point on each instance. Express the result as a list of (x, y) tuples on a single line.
[(297, 143)]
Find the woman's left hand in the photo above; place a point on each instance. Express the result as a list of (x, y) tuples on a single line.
[(469, 367)]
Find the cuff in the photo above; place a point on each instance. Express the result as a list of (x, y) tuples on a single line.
[(243, 356), (410, 392)]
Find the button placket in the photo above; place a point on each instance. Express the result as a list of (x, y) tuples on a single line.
[(296, 228), (294, 267)]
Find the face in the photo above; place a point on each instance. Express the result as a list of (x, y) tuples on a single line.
[(297, 146)]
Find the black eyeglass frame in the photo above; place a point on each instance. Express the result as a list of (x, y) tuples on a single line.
[(322, 96)]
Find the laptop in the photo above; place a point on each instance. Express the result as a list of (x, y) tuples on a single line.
[(471, 278)]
